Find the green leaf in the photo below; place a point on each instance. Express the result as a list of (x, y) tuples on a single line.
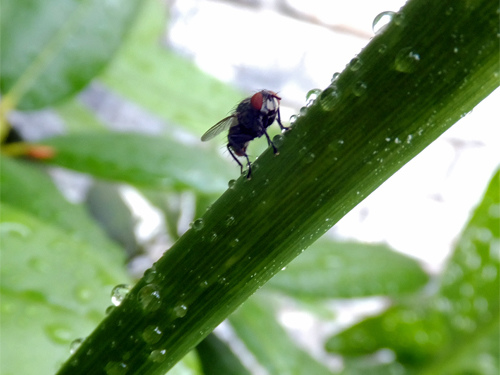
[(49, 296), (142, 160), (27, 188), (217, 358), (457, 329), (256, 326), (345, 270), (54, 48), (336, 154)]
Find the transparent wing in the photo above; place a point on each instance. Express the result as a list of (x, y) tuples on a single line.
[(218, 128)]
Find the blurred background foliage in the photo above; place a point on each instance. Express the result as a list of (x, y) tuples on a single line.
[(137, 124)]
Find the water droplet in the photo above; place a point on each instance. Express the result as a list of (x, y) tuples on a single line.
[(382, 49), (109, 309), (329, 98), (278, 140), (303, 111), (230, 184), (292, 119), (59, 333), (306, 156), (355, 64), (381, 21), (230, 221), (158, 356), (152, 334), (180, 311), (116, 368), (234, 242), (119, 293), (334, 77), (204, 284), (399, 19), (213, 237), (311, 96), (83, 293), (75, 344), (198, 224), (407, 60), (149, 298), (359, 88), (150, 274)]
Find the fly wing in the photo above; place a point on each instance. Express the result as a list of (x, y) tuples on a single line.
[(218, 128)]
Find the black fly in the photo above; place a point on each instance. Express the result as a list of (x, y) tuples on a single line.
[(249, 121)]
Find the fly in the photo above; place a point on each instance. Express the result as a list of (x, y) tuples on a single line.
[(249, 121)]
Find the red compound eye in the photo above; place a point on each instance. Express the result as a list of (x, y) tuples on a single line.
[(257, 100)]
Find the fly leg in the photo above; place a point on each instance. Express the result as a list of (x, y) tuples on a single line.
[(241, 165), (270, 143), (279, 122)]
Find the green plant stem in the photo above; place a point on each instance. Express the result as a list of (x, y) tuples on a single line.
[(429, 68)]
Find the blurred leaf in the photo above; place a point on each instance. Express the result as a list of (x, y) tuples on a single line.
[(342, 270), (49, 297), (164, 83), (457, 329), (107, 206), (256, 326), (142, 160), (27, 188), (217, 358), (54, 48)]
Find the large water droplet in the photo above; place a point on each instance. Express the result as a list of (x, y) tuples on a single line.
[(335, 76), (152, 334), (355, 64), (230, 184), (359, 88), (198, 224), (75, 344), (329, 98), (158, 355), (180, 311), (278, 140), (406, 60), (119, 293), (292, 119), (311, 96), (150, 274), (149, 298), (381, 21)]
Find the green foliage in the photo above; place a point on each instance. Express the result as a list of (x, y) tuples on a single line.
[(50, 50), (58, 266), (456, 329)]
